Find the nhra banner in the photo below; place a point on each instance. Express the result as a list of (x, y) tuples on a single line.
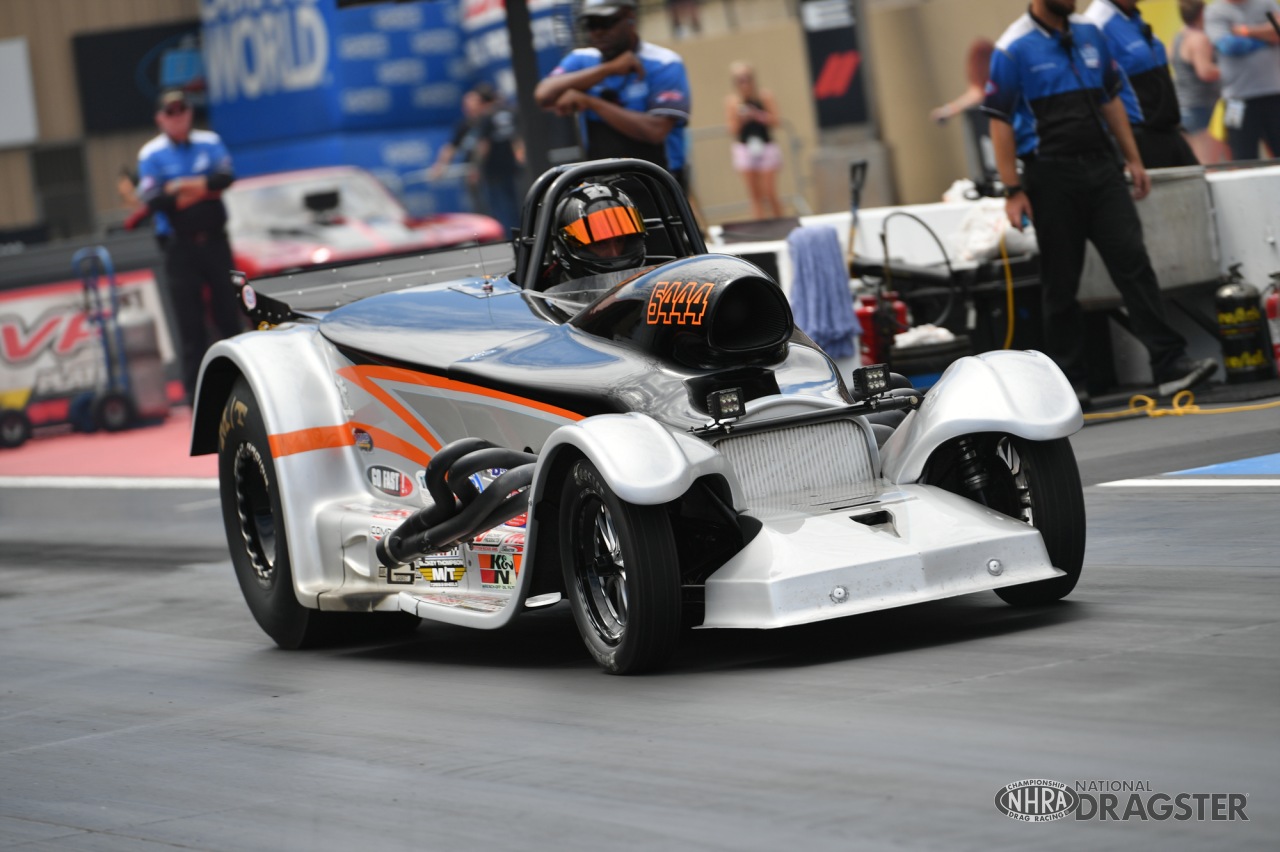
[(284, 69), (50, 351)]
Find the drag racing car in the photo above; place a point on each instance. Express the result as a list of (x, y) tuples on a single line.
[(287, 221), (601, 412)]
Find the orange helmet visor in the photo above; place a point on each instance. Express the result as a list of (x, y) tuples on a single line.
[(605, 225)]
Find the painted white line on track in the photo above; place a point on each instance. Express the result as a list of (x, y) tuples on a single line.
[(110, 482), (1191, 483)]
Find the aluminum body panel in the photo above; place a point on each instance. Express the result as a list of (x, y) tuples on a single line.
[(931, 545), (1021, 393), (643, 461)]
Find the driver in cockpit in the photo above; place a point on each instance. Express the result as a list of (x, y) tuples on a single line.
[(598, 231)]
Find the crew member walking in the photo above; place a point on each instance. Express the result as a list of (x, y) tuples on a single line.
[(1142, 56), (181, 174), (1053, 95)]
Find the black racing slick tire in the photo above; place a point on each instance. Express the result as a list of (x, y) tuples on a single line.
[(1033, 481), (254, 520), (621, 572)]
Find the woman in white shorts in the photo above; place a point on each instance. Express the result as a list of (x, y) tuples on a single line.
[(752, 115)]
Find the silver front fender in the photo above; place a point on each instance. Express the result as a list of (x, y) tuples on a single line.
[(644, 462), (1020, 393)]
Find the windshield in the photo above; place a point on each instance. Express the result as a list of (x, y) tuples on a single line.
[(302, 203)]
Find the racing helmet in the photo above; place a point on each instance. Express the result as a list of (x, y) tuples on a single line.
[(598, 229)]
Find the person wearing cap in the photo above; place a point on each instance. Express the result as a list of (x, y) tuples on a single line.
[(631, 97), (181, 175)]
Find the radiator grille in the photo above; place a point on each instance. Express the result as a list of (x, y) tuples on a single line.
[(802, 465)]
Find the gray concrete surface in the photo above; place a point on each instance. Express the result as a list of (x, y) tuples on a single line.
[(142, 709)]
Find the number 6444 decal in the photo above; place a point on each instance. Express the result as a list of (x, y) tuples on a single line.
[(678, 303)]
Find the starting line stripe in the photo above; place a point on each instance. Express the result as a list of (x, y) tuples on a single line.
[(110, 482), (1191, 483)]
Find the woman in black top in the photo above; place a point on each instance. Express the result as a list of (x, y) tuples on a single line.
[(751, 115)]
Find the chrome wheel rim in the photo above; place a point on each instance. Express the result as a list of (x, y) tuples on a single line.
[(601, 570), (1023, 508), (253, 508)]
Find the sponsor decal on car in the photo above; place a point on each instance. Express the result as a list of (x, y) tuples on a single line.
[(441, 570), (499, 570), (488, 542), (388, 480), (440, 576), (364, 441), (402, 575)]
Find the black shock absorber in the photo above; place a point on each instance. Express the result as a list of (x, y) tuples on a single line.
[(973, 473)]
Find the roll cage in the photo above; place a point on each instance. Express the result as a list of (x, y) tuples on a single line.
[(669, 221)]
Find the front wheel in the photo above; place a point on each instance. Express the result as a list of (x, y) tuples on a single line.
[(621, 572), (254, 520), (1034, 481)]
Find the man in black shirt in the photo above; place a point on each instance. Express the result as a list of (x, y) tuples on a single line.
[(1054, 100), (182, 173)]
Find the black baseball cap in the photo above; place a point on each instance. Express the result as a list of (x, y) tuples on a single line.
[(171, 96), (604, 8)]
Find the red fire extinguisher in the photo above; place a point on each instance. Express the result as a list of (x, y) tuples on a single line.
[(1273, 316), (879, 327)]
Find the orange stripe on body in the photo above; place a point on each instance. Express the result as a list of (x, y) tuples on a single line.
[(384, 440), (306, 440), (365, 377), (330, 437)]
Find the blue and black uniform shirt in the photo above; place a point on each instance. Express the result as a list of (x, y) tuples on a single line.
[(663, 90), (1049, 87), (1144, 61), (162, 160)]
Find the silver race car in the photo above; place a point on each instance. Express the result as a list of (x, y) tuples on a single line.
[(601, 411)]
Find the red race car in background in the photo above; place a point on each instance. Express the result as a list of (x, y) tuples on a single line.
[(292, 220)]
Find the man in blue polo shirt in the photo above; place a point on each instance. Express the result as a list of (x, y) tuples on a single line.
[(632, 97), (1142, 56), (1053, 97), (181, 174)]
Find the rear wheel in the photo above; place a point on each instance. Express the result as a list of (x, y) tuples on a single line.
[(1034, 481), (621, 572)]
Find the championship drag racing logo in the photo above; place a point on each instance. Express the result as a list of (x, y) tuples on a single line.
[(1036, 800), (1042, 800)]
